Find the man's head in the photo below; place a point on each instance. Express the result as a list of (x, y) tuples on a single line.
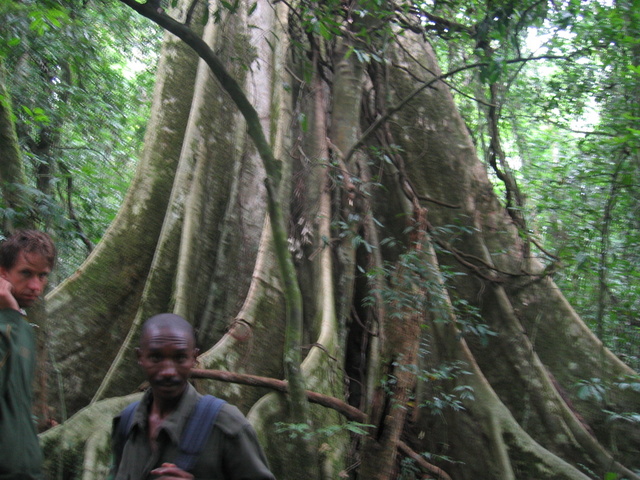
[(26, 259), (167, 354)]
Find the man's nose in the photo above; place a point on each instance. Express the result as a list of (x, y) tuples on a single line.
[(36, 284), (168, 369)]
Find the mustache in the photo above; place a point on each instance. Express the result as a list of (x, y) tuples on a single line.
[(167, 382)]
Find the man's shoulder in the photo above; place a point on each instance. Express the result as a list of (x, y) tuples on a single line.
[(10, 320), (9, 315)]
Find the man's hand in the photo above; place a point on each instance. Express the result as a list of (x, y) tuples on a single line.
[(167, 471), (7, 300)]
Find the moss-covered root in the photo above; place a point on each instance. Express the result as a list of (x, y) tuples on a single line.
[(80, 448)]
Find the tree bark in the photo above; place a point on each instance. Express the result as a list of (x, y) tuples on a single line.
[(12, 175), (401, 249)]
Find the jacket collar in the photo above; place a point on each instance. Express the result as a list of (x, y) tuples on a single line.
[(174, 423)]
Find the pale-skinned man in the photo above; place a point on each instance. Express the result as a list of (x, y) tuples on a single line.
[(26, 259)]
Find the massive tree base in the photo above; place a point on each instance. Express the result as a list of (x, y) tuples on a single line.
[(425, 309)]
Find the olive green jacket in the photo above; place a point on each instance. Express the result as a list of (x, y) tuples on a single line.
[(20, 453), (232, 451)]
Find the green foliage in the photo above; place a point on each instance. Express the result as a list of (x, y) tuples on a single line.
[(445, 384), (413, 286), (630, 417), (629, 383), (409, 470), (597, 391), (591, 389), (81, 96), (305, 431), (568, 126), (584, 195)]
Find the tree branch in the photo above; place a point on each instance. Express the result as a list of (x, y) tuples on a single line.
[(383, 118), (346, 410), (420, 460)]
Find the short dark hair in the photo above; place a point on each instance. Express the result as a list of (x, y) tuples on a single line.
[(167, 320), (27, 241)]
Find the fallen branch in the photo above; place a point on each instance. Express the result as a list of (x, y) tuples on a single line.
[(349, 412)]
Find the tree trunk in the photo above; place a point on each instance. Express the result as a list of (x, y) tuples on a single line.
[(402, 250), (12, 176)]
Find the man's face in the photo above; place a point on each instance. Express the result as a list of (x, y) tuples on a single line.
[(29, 276), (167, 356)]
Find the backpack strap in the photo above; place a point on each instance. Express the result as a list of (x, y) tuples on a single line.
[(124, 427), (194, 436), (197, 431)]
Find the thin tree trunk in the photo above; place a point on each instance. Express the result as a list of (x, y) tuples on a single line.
[(12, 175)]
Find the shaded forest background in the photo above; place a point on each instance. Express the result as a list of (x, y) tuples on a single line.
[(549, 97), (80, 82)]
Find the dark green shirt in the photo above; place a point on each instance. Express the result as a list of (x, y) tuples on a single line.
[(232, 451), (20, 453)]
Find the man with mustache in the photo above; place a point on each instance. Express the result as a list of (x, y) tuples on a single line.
[(147, 441), (26, 259)]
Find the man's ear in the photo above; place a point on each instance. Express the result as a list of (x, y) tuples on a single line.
[(196, 352), (3, 272), (138, 354)]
